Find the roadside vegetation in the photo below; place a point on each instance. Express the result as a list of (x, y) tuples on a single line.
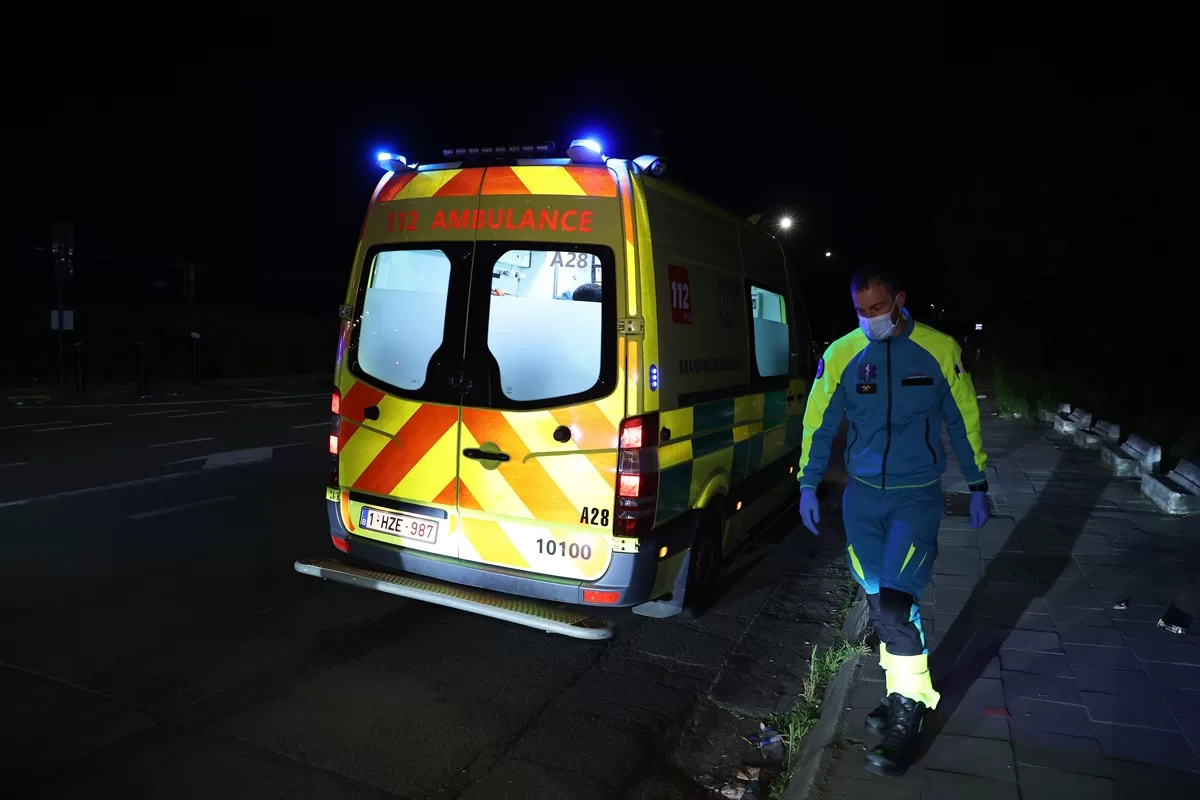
[(795, 724)]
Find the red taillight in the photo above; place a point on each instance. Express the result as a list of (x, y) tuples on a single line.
[(341, 544), (637, 476), (335, 432), (593, 596), (631, 434)]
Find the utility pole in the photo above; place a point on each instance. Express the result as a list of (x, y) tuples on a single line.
[(63, 249)]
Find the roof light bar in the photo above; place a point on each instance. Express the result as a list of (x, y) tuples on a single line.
[(511, 150)]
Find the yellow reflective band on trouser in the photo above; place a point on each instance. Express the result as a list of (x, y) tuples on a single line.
[(856, 565), (885, 658), (909, 676)]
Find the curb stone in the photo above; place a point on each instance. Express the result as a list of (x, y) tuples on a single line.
[(815, 753)]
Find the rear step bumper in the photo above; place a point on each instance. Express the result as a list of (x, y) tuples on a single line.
[(530, 613)]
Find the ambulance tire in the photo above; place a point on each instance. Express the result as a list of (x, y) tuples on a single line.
[(704, 567)]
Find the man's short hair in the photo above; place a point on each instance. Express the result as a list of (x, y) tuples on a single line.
[(865, 275), (588, 292)]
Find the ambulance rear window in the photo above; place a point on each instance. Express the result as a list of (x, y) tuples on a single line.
[(545, 323), (403, 315)]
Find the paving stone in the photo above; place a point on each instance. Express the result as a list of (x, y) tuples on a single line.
[(953, 581), (1180, 652), (1032, 621), (1164, 748), (964, 712), (1051, 717), (1036, 641), (1136, 595), (1041, 687), (1185, 703), (1191, 729), (1038, 663), (1133, 778), (1059, 752), (971, 755), (957, 597), (1146, 712), (1072, 595), (1106, 577), (1135, 613), (846, 788), (940, 785), (1112, 681), (946, 550), (1093, 635), (967, 566), (1169, 676), (1080, 616), (1040, 783), (1086, 655)]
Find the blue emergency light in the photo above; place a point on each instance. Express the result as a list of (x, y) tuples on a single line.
[(585, 151), (392, 161)]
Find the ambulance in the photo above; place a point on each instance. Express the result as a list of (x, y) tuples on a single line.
[(562, 384)]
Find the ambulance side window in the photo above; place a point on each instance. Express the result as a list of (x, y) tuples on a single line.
[(403, 315), (545, 323), (772, 344)]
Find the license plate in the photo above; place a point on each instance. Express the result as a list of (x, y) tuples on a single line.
[(408, 526)]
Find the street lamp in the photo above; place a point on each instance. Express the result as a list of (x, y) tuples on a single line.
[(785, 223), (829, 254)]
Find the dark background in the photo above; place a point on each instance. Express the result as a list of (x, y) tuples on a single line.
[(1039, 184)]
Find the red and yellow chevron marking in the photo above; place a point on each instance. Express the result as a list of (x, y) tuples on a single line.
[(577, 181), (435, 183), (411, 452)]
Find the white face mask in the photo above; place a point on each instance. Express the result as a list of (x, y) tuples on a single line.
[(880, 327)]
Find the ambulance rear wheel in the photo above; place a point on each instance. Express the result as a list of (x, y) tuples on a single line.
[(704, 566)]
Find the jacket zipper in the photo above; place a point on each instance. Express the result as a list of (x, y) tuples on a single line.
[(850, 446), (927, 444), (888, 442)]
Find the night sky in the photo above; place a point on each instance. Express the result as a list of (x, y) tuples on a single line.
[(239, 153)]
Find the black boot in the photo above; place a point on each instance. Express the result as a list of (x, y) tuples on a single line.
[(901, 741), (876, 721)]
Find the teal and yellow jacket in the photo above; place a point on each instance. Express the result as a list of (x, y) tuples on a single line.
[(895, 393)]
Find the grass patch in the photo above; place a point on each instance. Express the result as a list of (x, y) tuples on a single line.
[(795, 725)]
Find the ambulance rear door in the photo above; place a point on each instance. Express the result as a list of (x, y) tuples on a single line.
[(543, 396), (402, 386)]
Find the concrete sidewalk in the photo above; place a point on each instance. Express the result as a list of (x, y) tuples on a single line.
[(1056, 681)]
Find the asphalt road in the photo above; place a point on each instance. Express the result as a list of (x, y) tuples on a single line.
[(156, 642)]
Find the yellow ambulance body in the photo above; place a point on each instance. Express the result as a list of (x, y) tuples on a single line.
[(563, 380)]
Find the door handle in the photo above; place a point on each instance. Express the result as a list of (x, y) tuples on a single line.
[(485, 455)]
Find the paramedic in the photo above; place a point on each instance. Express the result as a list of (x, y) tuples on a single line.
[(896, 381)]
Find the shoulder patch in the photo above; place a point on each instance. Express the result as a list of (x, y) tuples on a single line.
[(820, 368)]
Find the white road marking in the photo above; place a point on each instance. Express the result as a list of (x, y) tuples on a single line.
[(271, 404), (235, 458), (197, 504), (14, 464), (197, 414), (262, 391), (72, 427), (34, 424), (182, 441), (93, 489), (183, 402), (151, 413), (312, 424)]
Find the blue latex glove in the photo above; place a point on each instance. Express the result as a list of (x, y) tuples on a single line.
[(980, 512), (810, 509)]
